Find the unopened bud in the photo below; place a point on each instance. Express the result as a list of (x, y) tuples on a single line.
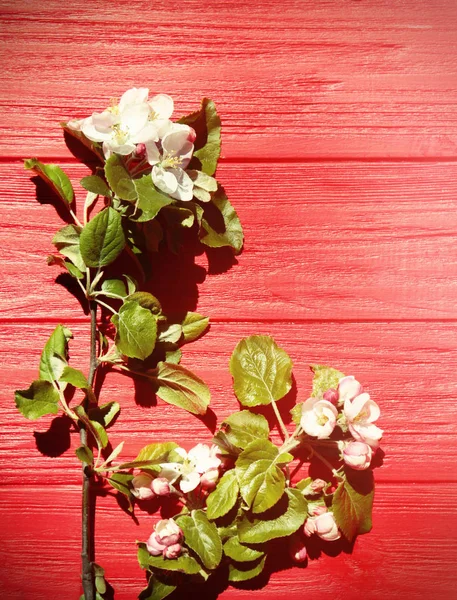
[(318, 485), (160, 486), (140, 150), (331, 395), (309, 527), (319, 510), (172, 551), (297, 550), (209, 479)]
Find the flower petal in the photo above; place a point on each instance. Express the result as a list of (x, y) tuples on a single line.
[(185, 185), (162, 105), (349, 388), (133, 96), (152, 153), (189, 482), (134, 118), (165, 180)]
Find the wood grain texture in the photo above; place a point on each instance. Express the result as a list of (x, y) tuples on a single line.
[(339, 154), (323, 241), (299, 79), (408, 562)]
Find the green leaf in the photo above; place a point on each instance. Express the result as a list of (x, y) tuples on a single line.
[(85, 455), (183, 564), (102, 239), (74, 377), (73, 253), (239, 552), (353, 503), (207, 126), (146, 300), (54, 177), (114, 286), (156, 589), (67, 236), (172, 334), (324, 379), (237, 574), (150, 199), (202, 537), (228, 231), (193, 326), (261, 371), (96, 185), (173, 354), (41, 398), (100, 583), (121, 482), (74, 271), (136, 330), (244, 427), (176, 385), (289, 515), (261, 479), (96, 429), (155, 453), (224, 497), (119, 178), (296, 413), (204, 185), (179, 216), (54, 356), (105, 413)]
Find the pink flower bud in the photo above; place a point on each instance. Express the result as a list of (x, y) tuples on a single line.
[(318, 485), (140, 150), (331, 395), (142, 487), (297, 550), (319, 510), (160, 486), (172, 551), (154, 546), (209, 479), (192, 135), (309, 527), (357, 455), (326, 528), (168, 532)]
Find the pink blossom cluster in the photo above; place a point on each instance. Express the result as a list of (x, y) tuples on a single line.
[(359, 412), (145, 487), (165, 539)]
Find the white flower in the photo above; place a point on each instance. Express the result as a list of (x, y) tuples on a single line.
[(170, 159), (318, 417), (142, 486), (195, 463), (360, 412), (133, 121)]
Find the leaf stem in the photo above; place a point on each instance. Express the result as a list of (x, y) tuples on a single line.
[(282, 427), (106, 306), (75, 218), (87, 551)]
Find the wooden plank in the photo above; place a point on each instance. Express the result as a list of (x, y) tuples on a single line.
[(409, 369), (296, 79), (411, 551), (323, 241)]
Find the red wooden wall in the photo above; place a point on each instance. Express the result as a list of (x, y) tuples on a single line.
[(340, 156)]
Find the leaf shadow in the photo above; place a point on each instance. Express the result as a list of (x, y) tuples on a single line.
[(46, 195), (57, 439)]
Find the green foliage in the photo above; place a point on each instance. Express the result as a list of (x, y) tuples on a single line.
[(287, 518), (201, 536), (224, 497), (96, 185), (105, 413), (237, 574), (176, 385), (324, 379), (150, 199), (146, 300), (235, 550), (136, 330), (207, 126), (182, 564), (102, 239), (54, 176), (242, 428), (193, 326), (54, 356), (119, 178), (75, 377), (222, 227), (261, 371), (41, 398), (352, 504), (152, 454), (85, 455), (156, 589), (114, 286)]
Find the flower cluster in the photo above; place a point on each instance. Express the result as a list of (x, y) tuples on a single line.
[(142, 127), (165, 539), (320, 416)]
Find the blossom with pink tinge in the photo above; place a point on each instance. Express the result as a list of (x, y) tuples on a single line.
[(318, 485), (196, 462), (318, 417), (319, 510), (309, 527), (172, 551), (326, 528), (142, 486), (209, 479), (297, 550), (331, 395), (360, 412), (161, 486), (357, 455), (166, 533)]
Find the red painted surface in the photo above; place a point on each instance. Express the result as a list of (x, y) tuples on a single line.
[(340, 149)]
